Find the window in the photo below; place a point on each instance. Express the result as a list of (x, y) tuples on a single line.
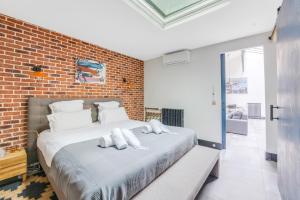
[(168, 13), (169, 7)]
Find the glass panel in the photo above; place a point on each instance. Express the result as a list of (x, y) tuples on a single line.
[(169, 7)]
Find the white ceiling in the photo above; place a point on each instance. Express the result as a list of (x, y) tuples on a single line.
[(114, 25)]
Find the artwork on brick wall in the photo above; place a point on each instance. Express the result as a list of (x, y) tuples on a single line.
[(237, 86), (90, 71)]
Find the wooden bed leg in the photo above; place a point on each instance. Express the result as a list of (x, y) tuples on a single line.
[(24, 176), (216, 170)]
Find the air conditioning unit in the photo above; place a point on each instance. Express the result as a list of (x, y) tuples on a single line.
[(179, 57)]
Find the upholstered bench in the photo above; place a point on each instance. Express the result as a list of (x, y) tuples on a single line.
[(185, 178)]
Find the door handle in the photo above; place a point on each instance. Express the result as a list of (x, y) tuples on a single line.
[(272, 112)]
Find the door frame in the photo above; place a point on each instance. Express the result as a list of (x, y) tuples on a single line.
[(223, 99)]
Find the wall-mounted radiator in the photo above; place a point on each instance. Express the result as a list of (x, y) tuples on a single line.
[(172, 117)]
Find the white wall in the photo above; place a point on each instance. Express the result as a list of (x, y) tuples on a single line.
[(271, 95), (253, 71), (189, 86)]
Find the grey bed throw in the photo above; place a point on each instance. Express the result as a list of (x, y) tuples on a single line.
[(84, 171)]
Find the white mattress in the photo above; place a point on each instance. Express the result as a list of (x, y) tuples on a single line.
[(49, 143)]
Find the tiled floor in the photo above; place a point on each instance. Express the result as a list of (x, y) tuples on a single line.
[(244, 172)]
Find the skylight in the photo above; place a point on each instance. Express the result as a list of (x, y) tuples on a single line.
[(168, 13), (168, 7)]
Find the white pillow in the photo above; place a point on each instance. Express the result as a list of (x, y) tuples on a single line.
[(107, 105), (112, 115), (69, 120), (66, 106)]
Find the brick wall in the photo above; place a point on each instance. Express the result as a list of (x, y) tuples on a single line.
[(23, 45)]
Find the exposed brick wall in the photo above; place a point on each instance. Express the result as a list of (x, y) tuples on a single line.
[(23, 45)]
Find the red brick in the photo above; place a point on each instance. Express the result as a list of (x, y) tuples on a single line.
[(24, 45)]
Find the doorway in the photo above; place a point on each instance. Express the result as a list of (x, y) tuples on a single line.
[(246, 174), (243, 97)]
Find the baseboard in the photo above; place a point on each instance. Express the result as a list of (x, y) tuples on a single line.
[(210, 144), (271, 156)]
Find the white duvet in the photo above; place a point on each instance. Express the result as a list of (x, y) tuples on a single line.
[(49, 143)]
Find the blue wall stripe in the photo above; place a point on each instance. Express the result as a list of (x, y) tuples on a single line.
[(223, 100)]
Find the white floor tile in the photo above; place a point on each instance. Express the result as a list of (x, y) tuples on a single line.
[(244, 172)]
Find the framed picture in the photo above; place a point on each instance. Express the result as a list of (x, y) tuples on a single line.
[(237, 86), (89, 71)]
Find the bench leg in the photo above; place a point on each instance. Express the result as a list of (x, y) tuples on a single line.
[(216, 170)]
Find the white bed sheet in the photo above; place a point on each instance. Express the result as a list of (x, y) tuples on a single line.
[(49, 143)]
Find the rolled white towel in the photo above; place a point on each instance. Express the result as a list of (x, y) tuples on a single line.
[(131, 139), (106, 141), (118, 139), (147, 129), (164, 129), (156, 126)]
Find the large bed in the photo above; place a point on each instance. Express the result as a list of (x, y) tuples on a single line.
[(78, 168)]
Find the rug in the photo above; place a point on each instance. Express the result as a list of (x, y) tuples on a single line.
[(35, 187)]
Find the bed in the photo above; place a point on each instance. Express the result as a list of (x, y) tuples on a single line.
[(78, 168)]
